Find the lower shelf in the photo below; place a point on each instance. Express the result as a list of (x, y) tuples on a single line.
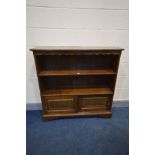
[(84, 91), (105, 114)]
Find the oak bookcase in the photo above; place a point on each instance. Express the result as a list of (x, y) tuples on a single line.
[(76, 81)]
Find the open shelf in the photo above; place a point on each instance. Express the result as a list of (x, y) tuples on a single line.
[(76, 82), (76, 72), (70, 63), (84, 91)]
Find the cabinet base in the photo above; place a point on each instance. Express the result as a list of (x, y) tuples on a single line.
[(104, 114)]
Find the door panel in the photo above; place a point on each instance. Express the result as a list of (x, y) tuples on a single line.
[(60, 104), (90, 103)]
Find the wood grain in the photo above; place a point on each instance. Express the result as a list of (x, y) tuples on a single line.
[(76, 72), (105, 114), (73, 85), (88, 91)]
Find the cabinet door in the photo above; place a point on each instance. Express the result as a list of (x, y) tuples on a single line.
[(60, 104), (93, 103)]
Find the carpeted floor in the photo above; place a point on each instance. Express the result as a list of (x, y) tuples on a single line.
[(78, 136)]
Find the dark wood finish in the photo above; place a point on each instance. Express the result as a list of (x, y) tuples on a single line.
[(84, 91), (76, 81), (89, 103), (60, 104), (76, 72), (105, 114)]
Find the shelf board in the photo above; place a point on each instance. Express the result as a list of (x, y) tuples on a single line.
[(84, 91), (76, 72)]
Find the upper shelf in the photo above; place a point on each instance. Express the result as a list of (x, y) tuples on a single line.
[(76, 72)]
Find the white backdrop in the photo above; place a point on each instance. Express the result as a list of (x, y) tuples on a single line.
[(80, 23)]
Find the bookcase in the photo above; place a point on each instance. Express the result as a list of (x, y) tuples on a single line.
[(76, 81)]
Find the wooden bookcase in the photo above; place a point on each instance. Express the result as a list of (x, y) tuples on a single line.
[(76, 81)]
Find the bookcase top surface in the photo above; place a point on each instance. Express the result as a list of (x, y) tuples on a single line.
[(75, 48)]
